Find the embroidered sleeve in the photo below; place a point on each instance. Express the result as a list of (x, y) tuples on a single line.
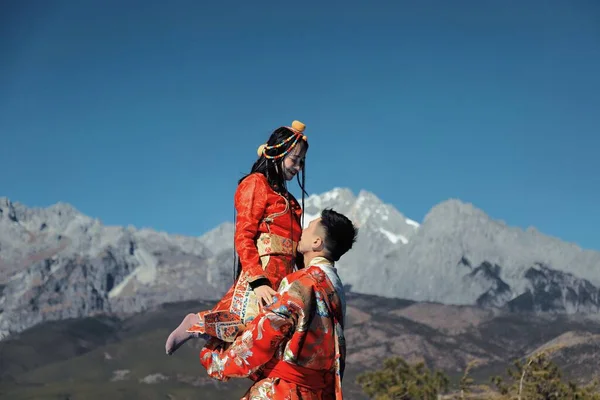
[(250, 203), (261, 339)]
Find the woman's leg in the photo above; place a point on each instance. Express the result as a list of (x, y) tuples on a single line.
[(180, 335)]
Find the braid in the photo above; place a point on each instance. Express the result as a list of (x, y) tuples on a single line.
[(302, 185)]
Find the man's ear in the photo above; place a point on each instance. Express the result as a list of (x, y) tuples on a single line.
[(318, 244)]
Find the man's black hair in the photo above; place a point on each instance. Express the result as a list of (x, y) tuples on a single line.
[(340, 233)]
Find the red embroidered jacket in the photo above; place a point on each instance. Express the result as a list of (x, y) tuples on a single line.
[(254, 200), (300, 336)]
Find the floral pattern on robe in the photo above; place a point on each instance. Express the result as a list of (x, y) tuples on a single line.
[(303, 327)]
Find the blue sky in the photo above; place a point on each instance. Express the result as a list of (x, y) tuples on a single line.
[(147, 113)]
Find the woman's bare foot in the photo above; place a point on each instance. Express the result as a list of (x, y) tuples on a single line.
[(179, 336)]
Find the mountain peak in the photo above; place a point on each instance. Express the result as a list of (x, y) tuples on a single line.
[(453, 210), (364, 209), (4, 201), (330, 198), (62, 208), (7, 209), (370, 198), (56, 214)]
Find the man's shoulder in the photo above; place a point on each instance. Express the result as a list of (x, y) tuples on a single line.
[(308, 278), (311, 272), (302, 278), (297, 276)]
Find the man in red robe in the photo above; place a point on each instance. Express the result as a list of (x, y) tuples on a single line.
[(295, 348)]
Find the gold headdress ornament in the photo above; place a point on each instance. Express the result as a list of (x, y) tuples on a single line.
[(297, 128)]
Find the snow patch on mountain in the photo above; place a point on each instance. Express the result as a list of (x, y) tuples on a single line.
[(413, 223), (394, 238)]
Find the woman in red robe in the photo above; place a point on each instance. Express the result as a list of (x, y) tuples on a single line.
[(267, 230)]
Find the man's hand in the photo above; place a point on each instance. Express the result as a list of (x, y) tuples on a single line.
[(265, 294)]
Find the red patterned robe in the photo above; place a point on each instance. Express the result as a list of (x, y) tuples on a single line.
[(267, 231), (295, 348)]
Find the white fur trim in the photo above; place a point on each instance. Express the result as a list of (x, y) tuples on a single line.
[(331, 272)]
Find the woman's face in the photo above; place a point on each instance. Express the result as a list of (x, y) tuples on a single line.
[(293, 162)]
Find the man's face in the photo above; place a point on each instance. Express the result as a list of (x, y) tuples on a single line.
[(312, 237)]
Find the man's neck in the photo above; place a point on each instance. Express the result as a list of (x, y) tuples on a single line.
[(311, 255)]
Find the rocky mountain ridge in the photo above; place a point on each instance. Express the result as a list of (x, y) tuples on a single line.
[(463, 254), (56, 263)]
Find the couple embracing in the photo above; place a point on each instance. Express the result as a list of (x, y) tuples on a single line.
[(281, 324)]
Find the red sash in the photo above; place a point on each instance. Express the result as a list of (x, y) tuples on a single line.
[(301, 376)]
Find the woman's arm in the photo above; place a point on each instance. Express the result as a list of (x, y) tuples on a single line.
[(250, 203)]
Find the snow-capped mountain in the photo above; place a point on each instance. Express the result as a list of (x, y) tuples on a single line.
[(57, 263), (382, 230), (366, 211)]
